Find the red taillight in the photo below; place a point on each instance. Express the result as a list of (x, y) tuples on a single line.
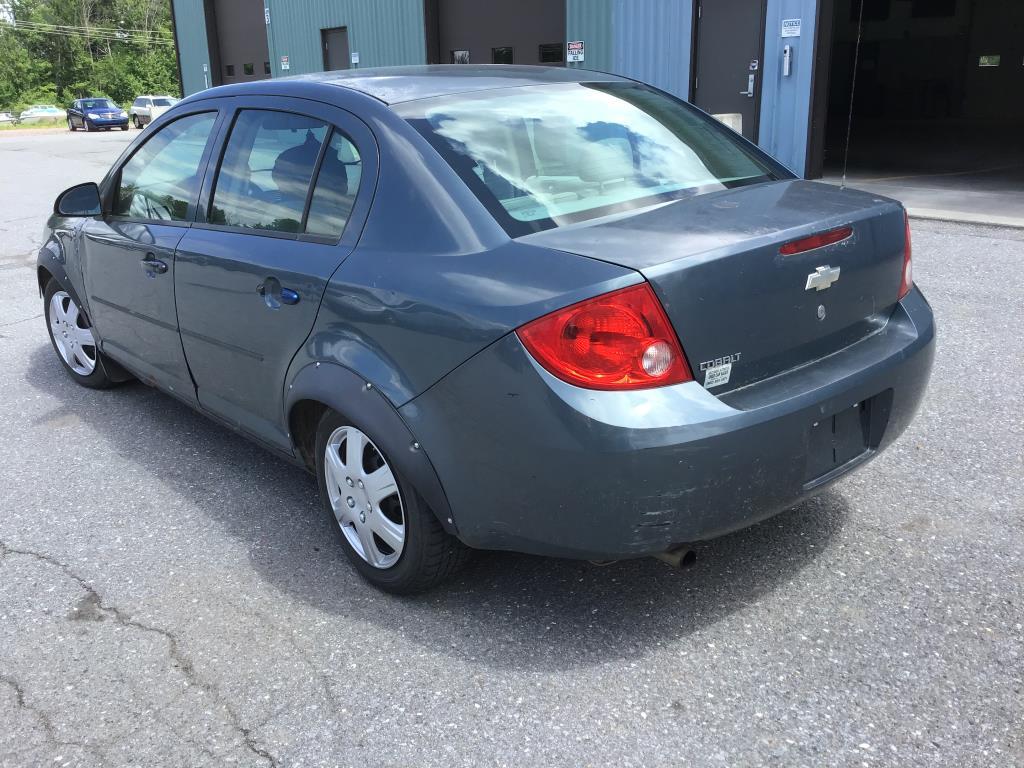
[(816, 241), (907, 278), (621, 340)]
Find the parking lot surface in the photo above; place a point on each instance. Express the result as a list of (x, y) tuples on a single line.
[(170, 594)]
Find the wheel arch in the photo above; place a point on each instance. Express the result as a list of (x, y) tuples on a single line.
[(318, 387)]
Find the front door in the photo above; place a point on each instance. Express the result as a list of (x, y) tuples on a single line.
[(727, 78), (128, 255), (284, 211), (335, 46)]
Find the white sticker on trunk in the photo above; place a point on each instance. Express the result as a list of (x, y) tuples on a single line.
[(717, 375)]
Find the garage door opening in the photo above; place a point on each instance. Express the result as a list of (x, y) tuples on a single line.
[(938, 113)]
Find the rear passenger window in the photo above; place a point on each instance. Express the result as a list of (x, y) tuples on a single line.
[(336, 187), (265, 175)]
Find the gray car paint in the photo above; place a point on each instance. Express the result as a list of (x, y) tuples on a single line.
[(423, 309)]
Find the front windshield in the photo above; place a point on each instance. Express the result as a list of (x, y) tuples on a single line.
[(98, 104), (544, 156)]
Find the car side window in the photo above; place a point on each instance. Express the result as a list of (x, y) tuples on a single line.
[(162, 179), (267, 168), (336, 187)]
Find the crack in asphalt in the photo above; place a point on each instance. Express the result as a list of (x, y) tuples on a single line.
[(23, 320), (92, 607), (45, 721)]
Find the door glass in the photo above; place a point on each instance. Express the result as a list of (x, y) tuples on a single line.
[(162, 179), (268, 164), (336, 187)]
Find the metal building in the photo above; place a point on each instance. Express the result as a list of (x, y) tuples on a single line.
[(781, 72)]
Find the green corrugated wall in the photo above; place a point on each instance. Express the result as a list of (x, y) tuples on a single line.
[(383, 32)]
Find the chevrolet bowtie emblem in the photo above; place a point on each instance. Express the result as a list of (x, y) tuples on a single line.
[(821, 278)]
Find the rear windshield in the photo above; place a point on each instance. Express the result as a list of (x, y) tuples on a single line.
[(161, 102), (544, 156)]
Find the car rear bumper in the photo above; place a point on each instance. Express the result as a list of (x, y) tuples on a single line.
[(532, 464)]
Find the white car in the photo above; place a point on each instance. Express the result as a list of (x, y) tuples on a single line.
[(38, 112), (146, 109), (7, 117)]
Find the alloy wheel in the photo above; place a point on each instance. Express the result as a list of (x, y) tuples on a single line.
[(72, 335), (364, 497)]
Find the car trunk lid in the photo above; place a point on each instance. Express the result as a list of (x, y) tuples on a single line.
[(743, 310)]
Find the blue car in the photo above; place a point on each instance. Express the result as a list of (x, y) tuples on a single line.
[(496, 307), (94, 114)]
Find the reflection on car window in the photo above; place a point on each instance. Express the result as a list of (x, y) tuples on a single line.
[(162, 178), (336, 187), (542, 157), (266, 171)]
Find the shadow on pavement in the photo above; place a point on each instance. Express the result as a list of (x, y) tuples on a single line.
[(504, 611)]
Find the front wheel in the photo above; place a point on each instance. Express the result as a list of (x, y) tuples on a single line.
[(73, 339), (137, 122), (124, 127), (89, 127), (386, 529)]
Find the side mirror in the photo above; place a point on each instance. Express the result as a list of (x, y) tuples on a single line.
[(79, 200)]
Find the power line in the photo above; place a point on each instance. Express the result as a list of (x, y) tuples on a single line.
[(102, 37), (101, 30)]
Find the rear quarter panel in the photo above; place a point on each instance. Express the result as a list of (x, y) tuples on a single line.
[(434, 279)]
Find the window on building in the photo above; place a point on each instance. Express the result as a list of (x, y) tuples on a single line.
[(336, 187), (229, 70), (550, 53), (874, 10), (266, 67), (161, 180), (268, 164), (932, 9), (502, 55), (248, 69), (460, 57)]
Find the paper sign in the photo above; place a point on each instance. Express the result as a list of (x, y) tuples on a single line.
[(355, 57), (285, 64), (574, 50), (791, 27)]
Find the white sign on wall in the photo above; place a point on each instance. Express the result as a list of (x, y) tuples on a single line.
[(266, 15), (355, 57), (791, 27), (285, 64), (574, 50)]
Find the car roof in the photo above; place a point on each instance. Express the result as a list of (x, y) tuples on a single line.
[(393, 85)]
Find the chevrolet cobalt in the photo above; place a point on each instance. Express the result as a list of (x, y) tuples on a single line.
[(524, 308)]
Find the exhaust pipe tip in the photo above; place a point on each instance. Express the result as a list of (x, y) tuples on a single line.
[(679, 558)]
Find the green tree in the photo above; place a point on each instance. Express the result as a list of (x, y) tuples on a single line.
[(60, 50)]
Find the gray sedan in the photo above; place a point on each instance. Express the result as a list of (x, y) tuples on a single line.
[(524, 308)]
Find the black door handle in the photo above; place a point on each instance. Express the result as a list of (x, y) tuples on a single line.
[(153, 265)]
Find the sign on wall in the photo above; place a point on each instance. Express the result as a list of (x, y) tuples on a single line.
[(285, 64), (574, 50), (791, 27)]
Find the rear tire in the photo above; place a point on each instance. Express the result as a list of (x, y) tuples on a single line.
[(71, 126), (72, 338), (362, 493)]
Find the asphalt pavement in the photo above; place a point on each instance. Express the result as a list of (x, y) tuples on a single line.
[(170, 594)]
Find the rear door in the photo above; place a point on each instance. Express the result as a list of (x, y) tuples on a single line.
[(727, 79), (128, 254), (284, 209)]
